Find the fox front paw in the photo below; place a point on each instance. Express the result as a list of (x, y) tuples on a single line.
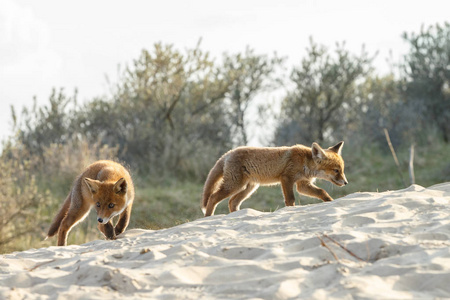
[(111, 237), (118, 231)]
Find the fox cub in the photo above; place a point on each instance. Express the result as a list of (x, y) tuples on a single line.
[(239, 172), (104, 185)]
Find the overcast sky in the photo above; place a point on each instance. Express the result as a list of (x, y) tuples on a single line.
[(75, 44)]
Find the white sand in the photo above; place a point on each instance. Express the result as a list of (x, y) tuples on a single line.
[(402, 238)]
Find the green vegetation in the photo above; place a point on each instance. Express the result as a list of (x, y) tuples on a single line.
[(172, 114)]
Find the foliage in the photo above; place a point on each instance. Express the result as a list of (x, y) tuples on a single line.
[(166, 106), (169, 104), (427, 76), (43, 125), (381, 105), (320, 105), (249, 75), (20, 203)]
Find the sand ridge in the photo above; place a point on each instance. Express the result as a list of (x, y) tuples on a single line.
[(365, 245)]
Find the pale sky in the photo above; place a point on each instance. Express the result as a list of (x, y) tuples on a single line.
[(75, 44)]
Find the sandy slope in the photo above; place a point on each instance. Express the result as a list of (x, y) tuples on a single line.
[(400, 241)]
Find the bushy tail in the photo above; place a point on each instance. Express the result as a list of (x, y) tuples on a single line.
[(56, 223), (214, 176)]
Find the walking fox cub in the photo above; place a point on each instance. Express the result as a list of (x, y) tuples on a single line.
[(104, 185), (239, 172)]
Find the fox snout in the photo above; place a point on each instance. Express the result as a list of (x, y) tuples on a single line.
[(340, 183), (343, 181), (339, 180), (103, 220)]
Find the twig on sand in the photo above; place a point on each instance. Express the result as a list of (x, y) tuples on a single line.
[(344, 248), (322, 242), (41, 264)]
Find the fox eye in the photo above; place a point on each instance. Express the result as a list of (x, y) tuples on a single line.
[(98, 204), (111, 205), (336, 171)]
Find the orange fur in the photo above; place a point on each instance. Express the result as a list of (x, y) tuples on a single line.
[(239, 172), (104, 185)]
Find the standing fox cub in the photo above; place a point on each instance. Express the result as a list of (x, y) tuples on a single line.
[(239, 172), (104, 185)]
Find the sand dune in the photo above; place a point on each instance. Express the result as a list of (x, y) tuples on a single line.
[(365, 246)]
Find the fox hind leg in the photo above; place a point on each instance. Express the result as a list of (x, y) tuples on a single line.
[(222, 193), (235, 201), (73, 216), (233, 182)]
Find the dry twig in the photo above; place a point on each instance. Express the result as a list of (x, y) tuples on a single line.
[(344, 248), (322, 242)]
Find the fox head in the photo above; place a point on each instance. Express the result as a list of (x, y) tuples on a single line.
[(110, 198), (329, 163)]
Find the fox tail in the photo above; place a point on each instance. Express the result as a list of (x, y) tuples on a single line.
[(212, 181)]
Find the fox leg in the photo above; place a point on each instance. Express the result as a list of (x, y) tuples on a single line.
[(73, 217), (287, 185), (222, 193), (107, 229), (124, 219), (215, 198), (235, 202), (309, 189)]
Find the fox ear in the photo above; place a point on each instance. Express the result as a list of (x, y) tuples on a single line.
[(337, 148), (317, 152), (120, 187), (92, 184)]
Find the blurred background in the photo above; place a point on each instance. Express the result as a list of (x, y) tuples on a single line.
[(167, 87)]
